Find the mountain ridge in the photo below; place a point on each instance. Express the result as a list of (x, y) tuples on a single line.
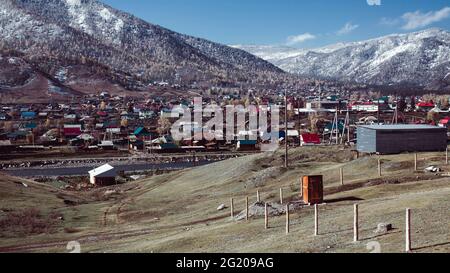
[(420, 58), (87, 37)]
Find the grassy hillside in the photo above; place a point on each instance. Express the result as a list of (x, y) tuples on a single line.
[(178, 211)]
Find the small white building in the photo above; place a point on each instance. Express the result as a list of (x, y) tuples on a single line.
[(103, 176)]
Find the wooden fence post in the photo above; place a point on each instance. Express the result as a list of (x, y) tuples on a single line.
[(246, 208), (415, 162), (258, 199), (341, 172), (266, 217), (379, 168), (316, 220), (232, 207), (446, 156), (287, 218), (408, 230), (281, 196), (355, 224)]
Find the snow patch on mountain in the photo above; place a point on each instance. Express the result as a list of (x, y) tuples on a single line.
[(78, 14), (109, 17), (271, 52), (106, 14), (419, 58), (390, 53), (113, 46), (73, 3)]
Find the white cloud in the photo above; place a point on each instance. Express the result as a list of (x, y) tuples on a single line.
[(389, 22), (417, 19), (349, 27), (297, 39), (374, 2)]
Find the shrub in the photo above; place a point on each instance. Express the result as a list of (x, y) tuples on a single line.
[(27, 222)]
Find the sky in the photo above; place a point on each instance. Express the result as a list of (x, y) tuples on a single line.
[(295, 23)]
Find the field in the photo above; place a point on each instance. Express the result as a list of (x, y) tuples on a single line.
[(177, 212)]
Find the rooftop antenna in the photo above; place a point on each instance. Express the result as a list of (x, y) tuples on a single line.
[(334, 127), (395, 118), (346, 130), (320, 96)]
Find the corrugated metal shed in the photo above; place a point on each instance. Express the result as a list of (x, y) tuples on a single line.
[(101, 170), (104, 171), (392, 139)]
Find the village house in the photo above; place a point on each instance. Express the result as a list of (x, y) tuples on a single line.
[(425, 106), (146, 114), (168, 113), (309, 139), (367, 106), (72, 130)]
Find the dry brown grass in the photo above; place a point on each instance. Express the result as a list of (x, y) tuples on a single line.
[(28, 222), (176, 212)]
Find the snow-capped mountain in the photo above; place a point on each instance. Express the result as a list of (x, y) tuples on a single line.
[(93, 42), (420, 59)]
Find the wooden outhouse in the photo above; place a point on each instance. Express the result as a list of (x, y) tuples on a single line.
[(312, 189)]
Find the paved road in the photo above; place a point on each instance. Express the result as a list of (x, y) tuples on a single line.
[(75, 171)]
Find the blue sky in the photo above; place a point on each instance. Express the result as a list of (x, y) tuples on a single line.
[(297, 23)]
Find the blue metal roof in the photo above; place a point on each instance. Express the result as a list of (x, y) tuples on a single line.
[(168, 146), (28, 114), (138, 130), (142, 131), (17, 134), (30, 125), (401, 127), (248, 142)]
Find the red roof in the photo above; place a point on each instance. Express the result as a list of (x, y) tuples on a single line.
[(444, 121), (72, 131), (425, 104), (311, 138), (361, 103)]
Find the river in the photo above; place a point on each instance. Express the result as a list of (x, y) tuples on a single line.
[(79, 171)]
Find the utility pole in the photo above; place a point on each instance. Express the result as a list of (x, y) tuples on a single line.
[(395, 118), (320, 96), (347, 118), (299, 120), (286, 163), (337, 127), (396, 108), (151, 145), (378, 111)]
